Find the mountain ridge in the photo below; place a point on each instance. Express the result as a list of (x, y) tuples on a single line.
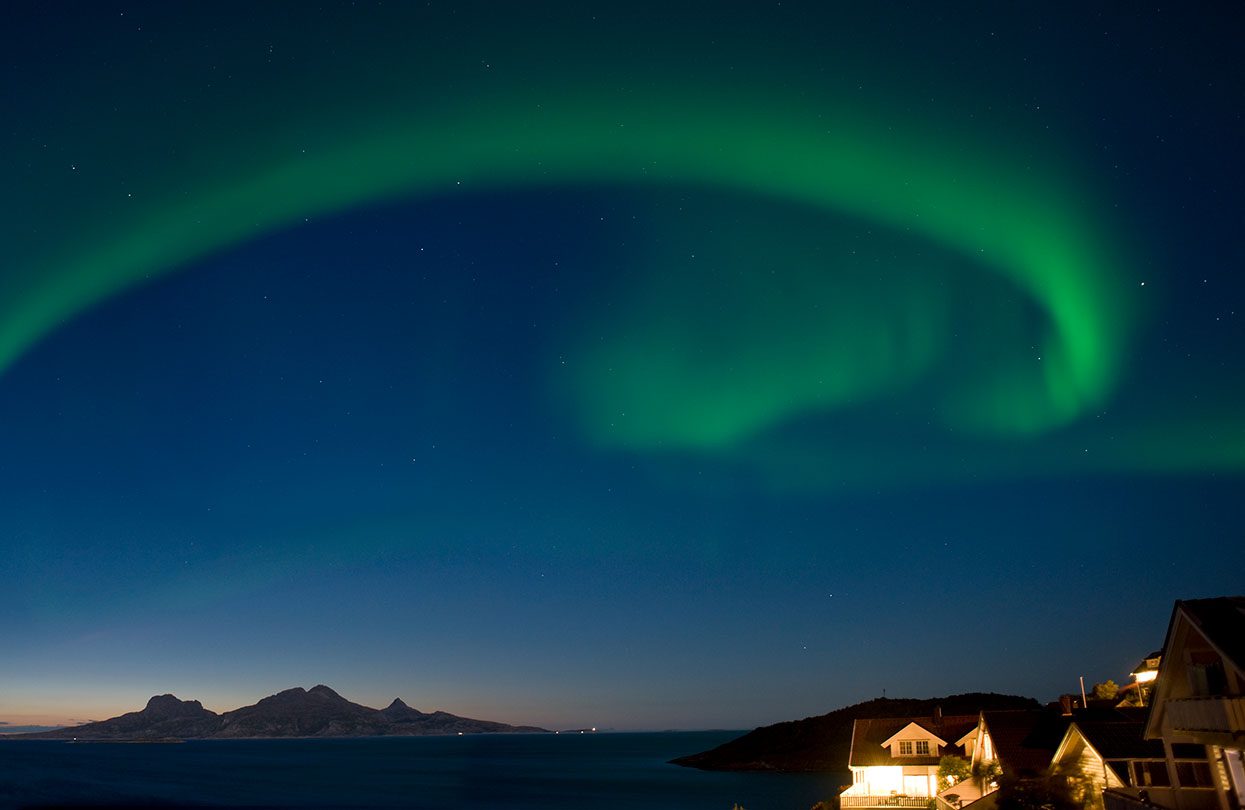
[(295, 712)]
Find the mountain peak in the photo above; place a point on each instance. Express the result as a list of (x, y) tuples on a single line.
[(296, 712), (170, 706), (400, 711), (162, 701), (324, 691)]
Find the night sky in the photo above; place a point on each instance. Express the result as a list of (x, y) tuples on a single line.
[(623, 365)]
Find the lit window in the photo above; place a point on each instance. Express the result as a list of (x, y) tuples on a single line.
[(922, 748)]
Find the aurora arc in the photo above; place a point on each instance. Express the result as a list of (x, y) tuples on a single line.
[(1025, 227)]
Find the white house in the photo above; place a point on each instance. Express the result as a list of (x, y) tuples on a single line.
[(894, 761)]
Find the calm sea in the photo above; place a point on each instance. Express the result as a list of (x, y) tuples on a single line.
[(552, 772)]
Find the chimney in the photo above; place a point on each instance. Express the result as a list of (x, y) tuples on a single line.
[(1065, 702), (938, 715)]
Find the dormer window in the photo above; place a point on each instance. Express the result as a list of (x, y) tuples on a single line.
[(914, 740)]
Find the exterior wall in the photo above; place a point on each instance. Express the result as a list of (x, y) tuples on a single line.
[(913, 744), (1191, 653), (898, 780), (1097, 776), (1163, 797), (1199, 702), (913, 734), (921, 780), (979, 747), (1085, 769), (987, 748), (1233, 763), (876, 780)]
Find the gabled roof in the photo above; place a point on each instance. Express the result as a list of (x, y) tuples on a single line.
[(1144, 666), (1025, 740), (1120, 740), (869, 735), (1115, 741), (917, 724), (1221, 621)]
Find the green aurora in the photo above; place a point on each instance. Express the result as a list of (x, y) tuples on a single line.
[(1031, 235), (1004, 277)]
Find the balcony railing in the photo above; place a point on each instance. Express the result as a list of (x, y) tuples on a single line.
[(1120, 800), (1222, 714), (883, 801)]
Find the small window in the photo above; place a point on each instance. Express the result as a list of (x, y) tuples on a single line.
[(1150, 774), (905, 748), (1205, 673), (922, 748), (1194, 774)]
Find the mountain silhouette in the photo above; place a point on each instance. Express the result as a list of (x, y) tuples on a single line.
[(315, 712)]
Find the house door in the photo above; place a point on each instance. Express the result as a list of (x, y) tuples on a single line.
[(916, 785)]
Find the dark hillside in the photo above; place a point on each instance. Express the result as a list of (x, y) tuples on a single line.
[(822, 743)]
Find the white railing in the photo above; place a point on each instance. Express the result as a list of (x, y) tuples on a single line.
[(883, 801), (1207, 714)]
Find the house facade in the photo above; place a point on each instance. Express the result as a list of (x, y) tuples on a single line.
[(1098, 755), (894, 761), (1018, 743), (1198, 711)]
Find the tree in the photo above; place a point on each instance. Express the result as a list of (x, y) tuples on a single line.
[(951, 771), (987, 772), (1107, 690)]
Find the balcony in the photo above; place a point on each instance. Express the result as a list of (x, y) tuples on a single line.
[(884, 801), (1224, 715), (1126, 799)]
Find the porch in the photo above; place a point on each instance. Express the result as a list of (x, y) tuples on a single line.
[(884, 801)]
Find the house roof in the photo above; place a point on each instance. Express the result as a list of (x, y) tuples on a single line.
[(1222, 622), (1116, 741), (1025, 740), (891, 739), (1120, 739), (869, 734), (1144, 666)]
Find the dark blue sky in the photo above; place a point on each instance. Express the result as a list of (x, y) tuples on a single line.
[(358, 450)]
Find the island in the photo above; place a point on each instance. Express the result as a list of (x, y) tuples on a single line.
[(297, 712)]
